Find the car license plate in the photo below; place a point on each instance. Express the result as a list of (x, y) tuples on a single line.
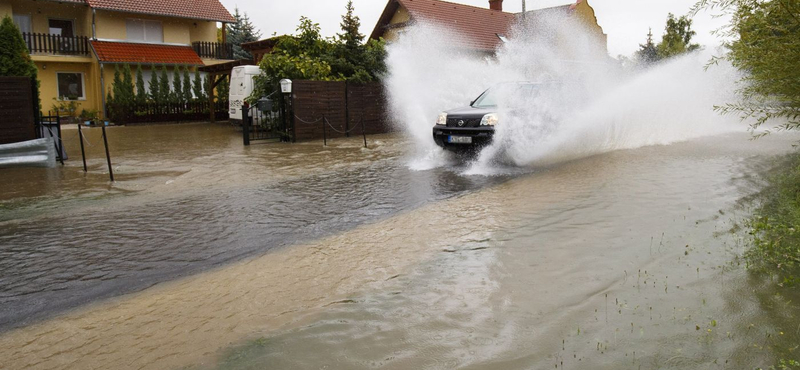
[(459, 140)]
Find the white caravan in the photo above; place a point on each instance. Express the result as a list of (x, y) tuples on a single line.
[(241, 87)]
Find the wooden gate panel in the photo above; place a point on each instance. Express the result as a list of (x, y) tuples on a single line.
[(16, 110)]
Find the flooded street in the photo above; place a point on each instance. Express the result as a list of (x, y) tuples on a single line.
[(209, 255)]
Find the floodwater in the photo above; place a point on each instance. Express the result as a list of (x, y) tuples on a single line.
[(205, 255)]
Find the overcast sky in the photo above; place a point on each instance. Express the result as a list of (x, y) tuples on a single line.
[(625, 21)]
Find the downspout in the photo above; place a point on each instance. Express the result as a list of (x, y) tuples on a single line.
[(103, 90), (94, 25)]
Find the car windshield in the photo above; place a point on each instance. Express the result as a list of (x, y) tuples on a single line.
[(490, 97)]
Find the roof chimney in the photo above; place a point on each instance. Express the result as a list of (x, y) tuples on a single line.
[(496, 5)]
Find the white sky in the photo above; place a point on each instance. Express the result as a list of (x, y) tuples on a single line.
[(625, 21)]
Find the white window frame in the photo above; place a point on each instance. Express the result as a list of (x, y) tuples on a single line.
[(30, 21), (144, 30), (83, 86)]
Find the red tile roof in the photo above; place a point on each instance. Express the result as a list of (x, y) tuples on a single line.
[(126, 52), (194, 9), (477, 26)]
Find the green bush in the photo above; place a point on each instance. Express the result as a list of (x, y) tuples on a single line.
[(775, 224)]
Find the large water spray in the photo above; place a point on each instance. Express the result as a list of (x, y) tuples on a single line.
[(593, 106)]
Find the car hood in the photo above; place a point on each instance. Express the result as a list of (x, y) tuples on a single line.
[(469, 112)]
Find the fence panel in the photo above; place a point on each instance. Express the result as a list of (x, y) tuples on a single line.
[(314, 99), (343, 104), (367, 102), (152, 112), (16, 109)]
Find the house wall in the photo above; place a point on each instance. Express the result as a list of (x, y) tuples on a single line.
[(586, 15), (400, 16), (40, 12), (113, 26), (48, 88)]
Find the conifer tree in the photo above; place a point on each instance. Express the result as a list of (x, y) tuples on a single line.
[(648, 53), (187, 85), (177, 87), (240, 32), (154, 83), (199, 91), (127, 99), (141, 92), (163, 86), (14, 57)]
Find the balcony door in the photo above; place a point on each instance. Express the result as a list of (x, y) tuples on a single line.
[(62, 27)]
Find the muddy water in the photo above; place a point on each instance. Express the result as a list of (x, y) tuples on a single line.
[(623, 260)]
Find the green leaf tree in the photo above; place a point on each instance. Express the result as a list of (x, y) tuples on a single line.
[(14, 57), (677, 37), (765, 46), (240, 32)]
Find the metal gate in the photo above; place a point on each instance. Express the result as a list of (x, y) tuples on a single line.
[(266, 120)]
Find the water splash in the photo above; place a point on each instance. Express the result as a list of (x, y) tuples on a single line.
[(597, 107)]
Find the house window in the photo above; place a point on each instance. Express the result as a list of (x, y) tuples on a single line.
[(144, 30), (61, 27), (70, 86), (23, 22)]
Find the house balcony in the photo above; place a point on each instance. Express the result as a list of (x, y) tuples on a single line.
[(213, 50), (47, 44)]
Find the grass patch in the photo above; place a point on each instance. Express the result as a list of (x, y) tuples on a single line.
[(775, 224)]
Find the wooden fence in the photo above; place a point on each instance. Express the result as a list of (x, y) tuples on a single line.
[(42, 43), (343, 104), (17, 119), (166, 112)]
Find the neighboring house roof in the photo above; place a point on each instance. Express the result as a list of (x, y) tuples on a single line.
[(477, 26), (193, 9), (129, 52)]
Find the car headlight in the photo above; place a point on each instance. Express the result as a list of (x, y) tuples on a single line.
[(442, 120), (490, 119)]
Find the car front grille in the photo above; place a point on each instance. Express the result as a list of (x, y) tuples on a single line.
[(468, 122)]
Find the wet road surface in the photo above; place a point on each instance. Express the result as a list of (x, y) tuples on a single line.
[(622, 260)]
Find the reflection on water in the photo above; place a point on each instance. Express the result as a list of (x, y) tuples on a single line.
[(51, 263), (617, 261)]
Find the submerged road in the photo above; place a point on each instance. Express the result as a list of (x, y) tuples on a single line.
[(627, 259)]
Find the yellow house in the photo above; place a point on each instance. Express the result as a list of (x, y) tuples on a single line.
[(481, 29), (77, 43)]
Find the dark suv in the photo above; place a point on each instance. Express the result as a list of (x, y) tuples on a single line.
[(471, 128)]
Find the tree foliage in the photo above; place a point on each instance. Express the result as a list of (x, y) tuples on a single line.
[(240, 32), (187, 86), (199, 92), (648, 52), (766, 47), (14, 57), (676, 40), (141, 94), (677, 37), (154, 83), (163, 86), (309, 56)]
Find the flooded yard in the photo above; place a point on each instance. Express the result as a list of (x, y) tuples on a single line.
[(209, 255)]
